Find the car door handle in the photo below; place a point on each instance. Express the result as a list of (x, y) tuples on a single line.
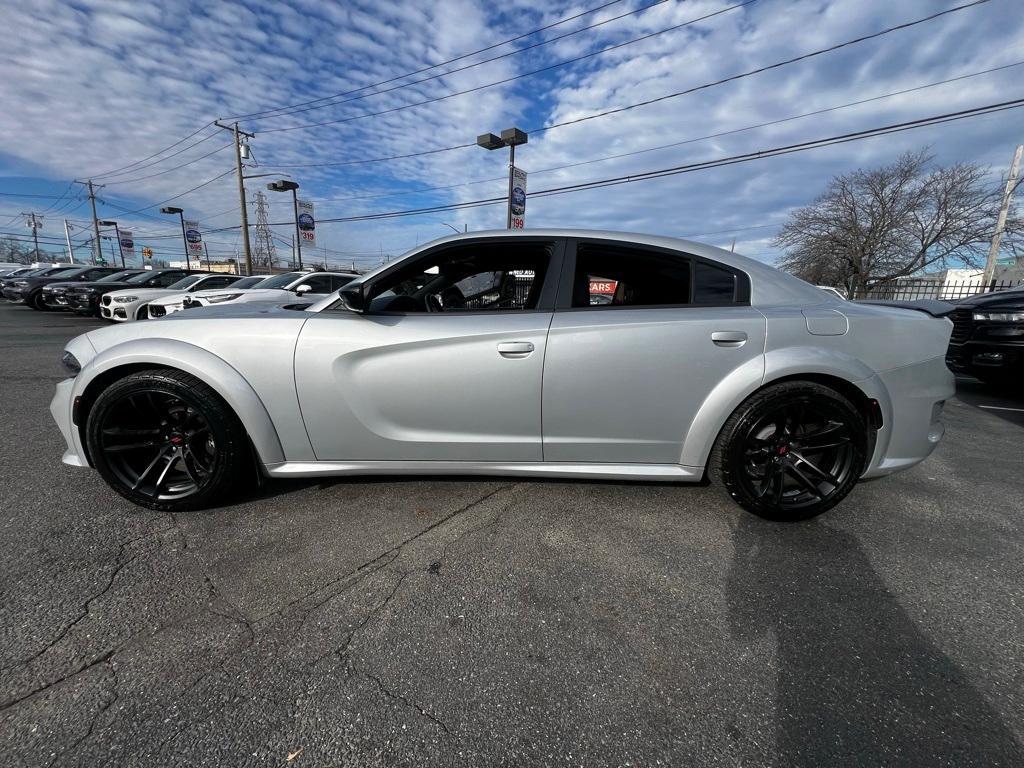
[(515, 348), (729, 338)]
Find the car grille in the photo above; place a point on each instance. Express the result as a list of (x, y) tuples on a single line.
[(156, 310), (106, 301), (963, 326)]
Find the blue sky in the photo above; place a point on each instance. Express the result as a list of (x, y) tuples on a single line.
[(91, 86)]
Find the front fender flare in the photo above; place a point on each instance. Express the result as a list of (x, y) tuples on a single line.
[(204, 365)]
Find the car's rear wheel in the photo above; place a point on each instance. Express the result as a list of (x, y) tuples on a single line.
[(791, 451), (165, 440)]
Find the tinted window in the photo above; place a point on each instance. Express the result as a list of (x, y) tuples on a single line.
[(280, 281), (339, 281), (249, 282), (217, 282), (165, 280), (186, 282), (318, 283), (713, 285), (619, 277), (118, 276), (468, 278)]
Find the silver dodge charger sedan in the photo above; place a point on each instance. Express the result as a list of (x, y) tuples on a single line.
[(549, 353)]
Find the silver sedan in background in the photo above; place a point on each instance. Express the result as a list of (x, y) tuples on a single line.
[(552, 353)]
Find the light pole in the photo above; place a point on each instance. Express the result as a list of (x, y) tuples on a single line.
[(117, 236), (511, 138), (171, 210), (291, 186)]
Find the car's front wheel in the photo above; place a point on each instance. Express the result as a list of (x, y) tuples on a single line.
[(791, 451), (165, 440), (35, 301)]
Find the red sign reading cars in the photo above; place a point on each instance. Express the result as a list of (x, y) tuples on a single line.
[(603, 286)]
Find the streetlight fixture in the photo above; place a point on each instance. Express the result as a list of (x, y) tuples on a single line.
[(291, 186), (117, 235), (180, 212), (511, 138)]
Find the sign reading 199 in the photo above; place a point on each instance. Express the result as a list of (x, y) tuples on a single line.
[(518, 222)]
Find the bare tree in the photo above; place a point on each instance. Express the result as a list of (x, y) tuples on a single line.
[(15, 252), (873, 226)]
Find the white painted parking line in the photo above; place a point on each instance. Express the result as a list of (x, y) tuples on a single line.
[(1001, 408)]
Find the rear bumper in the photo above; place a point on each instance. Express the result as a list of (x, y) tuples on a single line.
[(912, 400)]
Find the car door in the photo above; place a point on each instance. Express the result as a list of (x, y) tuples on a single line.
[(461, 382), (639, 339)]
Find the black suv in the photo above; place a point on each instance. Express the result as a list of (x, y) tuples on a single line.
[(55, 295), (85, 298), (30, 289), (988, 336)]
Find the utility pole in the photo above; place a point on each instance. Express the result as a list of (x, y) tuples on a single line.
[(33, 221), (67, 237), (206, 250), (98, 257), (237, 132), (1011, 184)]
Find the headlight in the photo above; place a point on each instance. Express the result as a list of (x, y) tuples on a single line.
[(223, 297), (71, 364), (1000, 317), (125, 299)]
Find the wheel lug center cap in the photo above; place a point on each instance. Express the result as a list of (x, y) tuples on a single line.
[(176, 439)]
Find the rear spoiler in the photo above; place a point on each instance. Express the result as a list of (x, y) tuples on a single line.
[(932, 307)]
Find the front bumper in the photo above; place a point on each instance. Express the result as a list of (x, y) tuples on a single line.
[(60, 408), (13, 294), (912, 400), (88, 303), (972, 356), (55, 300), (116, 312)]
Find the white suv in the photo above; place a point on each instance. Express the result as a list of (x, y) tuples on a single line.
[(284, 287), (132, 303), (175, 302)]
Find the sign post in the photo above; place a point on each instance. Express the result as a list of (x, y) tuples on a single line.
[(127, 243), (307, 224), (194, 241)]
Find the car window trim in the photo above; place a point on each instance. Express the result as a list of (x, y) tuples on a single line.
[(548, 291), (563, 301)]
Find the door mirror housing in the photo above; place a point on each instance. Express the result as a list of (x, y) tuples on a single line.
[(302, 289), (352, 297)]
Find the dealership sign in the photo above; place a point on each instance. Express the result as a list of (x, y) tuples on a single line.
[(194, 240), (127, 243), (517, 203), (307, 223)]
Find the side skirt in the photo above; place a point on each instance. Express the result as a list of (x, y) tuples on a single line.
[(636, 472)]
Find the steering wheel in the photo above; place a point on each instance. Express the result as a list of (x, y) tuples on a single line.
[(433, 303)]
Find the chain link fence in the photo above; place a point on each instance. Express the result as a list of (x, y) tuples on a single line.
[(912, 289)]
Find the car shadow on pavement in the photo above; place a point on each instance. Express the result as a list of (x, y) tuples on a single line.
[(1006, 402), (857, 681)]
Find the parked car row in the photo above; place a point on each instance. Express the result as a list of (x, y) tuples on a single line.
[(126, 295)]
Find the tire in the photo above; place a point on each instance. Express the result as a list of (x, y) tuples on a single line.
[(790, 451), (165, 440), (35, 300)]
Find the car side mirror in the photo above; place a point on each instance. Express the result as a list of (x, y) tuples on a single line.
[(304, 288), (352, 297)]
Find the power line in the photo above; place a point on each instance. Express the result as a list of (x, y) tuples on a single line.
[(175, 168), (702, 165), (515, 77), (676, 94), (682, 142), (432, 66), (182, 194), (499, 57), (155, 154)]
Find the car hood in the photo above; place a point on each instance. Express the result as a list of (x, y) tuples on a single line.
[(102, 286), (179, 296), (997, 300), (253, 309), (142, 293)]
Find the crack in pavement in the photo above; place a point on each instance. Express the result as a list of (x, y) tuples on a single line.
[(399, 697), (368, 565), (95, 718)]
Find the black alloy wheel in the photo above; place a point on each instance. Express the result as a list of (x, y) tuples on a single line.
[(165, 440), (35, 300), (791, 451)]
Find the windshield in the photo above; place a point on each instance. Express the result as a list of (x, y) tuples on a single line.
[(249, 282), (118, 276), (57, 271), (185, 282), (141, 277), (280, 281)]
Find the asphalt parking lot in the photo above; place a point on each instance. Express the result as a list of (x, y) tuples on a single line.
[(468, 622)]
